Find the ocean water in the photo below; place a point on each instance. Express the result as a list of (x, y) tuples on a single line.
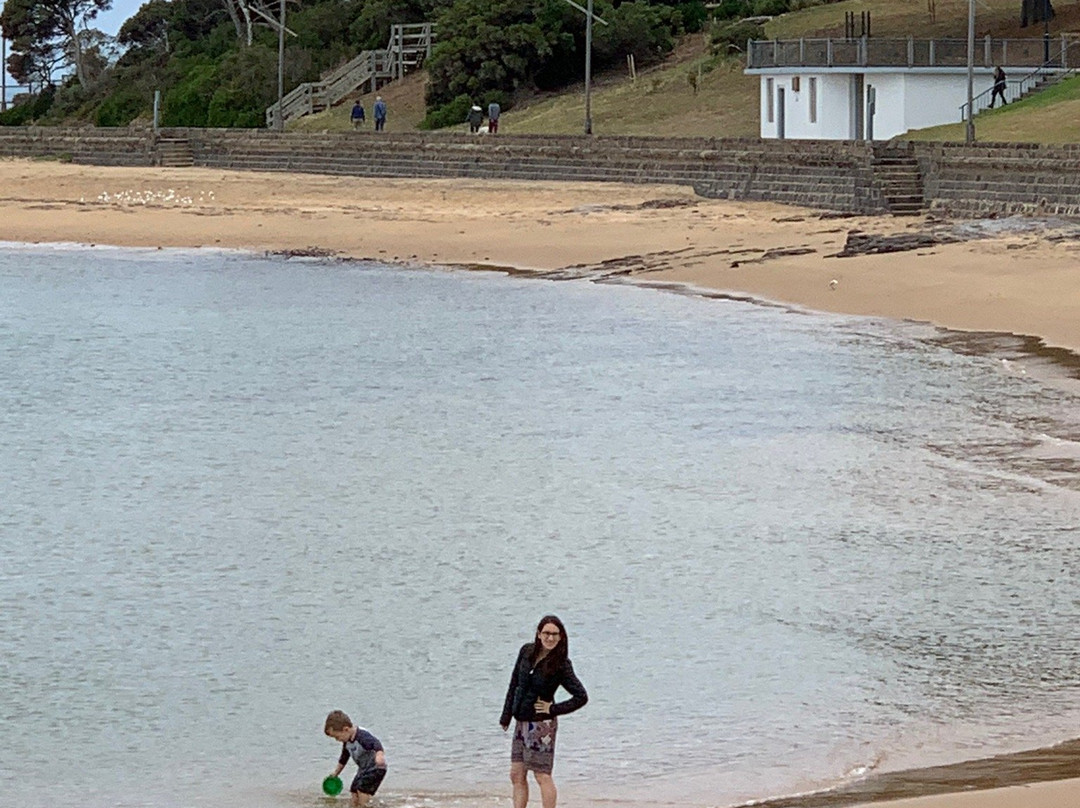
[(239, 491)]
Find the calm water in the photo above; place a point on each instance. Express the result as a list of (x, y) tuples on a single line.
[(239, 492)]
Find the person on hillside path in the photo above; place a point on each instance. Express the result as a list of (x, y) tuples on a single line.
[(542, 666), (494, 110), (475, 118), (357, 115), (380, 113), (999, 87)]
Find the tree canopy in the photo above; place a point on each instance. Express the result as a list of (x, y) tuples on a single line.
[(216, 64)]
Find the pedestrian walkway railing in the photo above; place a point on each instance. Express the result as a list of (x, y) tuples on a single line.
[(1015, 89), (762, 54), (409, 45)]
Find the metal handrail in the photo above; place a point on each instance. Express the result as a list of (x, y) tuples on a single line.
[(901, 52), (1015, 89)]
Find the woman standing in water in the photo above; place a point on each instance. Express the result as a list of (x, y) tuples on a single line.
[(542, 666)]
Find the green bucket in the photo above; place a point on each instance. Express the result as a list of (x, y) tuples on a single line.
[(332, 786)]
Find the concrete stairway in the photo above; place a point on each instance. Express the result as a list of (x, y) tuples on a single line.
[(175, 152), (897, 174)]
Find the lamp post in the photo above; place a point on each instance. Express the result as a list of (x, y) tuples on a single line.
[(969, 135), (588, 67), (280, 119), (1046, 32), (589, 17)]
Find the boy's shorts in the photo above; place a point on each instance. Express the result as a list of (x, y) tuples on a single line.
[(367, 782), (534, 744)]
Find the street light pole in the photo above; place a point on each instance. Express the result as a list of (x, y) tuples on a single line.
[(589, 17), (1046, 32), (280, 119), (969, 136), (588, 67)]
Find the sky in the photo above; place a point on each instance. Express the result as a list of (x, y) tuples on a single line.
[(109, 22)]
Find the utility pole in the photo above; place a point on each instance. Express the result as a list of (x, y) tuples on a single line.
[(589, 17), (1046, 32), (280, 119), (969, 136), (588, 67), (3, 74)]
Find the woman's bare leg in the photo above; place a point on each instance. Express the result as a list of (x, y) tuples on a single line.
[(548, 793), (521, 784)]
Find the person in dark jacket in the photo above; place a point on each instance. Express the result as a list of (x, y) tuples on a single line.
[(999, 87), (542, 666)]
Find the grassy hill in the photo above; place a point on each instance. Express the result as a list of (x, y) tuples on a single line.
[(663, 100)]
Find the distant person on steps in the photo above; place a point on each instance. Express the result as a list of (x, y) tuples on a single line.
[(380, 113)]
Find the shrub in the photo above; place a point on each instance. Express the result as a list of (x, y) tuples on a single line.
[(448, 114)]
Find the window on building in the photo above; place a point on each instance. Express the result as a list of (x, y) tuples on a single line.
[(813, 100), (769, 107), (794, 84)]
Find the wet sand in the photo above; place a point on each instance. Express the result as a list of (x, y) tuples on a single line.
[(990, 279)]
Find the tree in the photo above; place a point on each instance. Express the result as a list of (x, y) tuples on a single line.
[(148, 27), (48, 32), (1034, 11)]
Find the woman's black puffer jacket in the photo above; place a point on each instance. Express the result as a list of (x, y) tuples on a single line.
[(529, 683)]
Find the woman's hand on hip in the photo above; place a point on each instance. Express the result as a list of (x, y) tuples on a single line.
[(543, 707)]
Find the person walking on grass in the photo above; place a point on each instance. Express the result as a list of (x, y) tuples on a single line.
[(999, 87), (475, 118), (494, 110), (357, 115), (364, 748), (542, 666), (379, 112)]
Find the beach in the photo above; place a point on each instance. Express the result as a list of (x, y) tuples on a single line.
[(1015, 277)]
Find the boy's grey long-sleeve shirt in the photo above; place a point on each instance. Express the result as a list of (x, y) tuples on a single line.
[(362, 749)]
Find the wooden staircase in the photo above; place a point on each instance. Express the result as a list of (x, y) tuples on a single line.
[(174, 152), (408, 47), (896, 173)]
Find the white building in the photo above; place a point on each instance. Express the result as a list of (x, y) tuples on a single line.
[(876, 89)]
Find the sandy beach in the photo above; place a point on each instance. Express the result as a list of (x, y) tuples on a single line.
[(1009, 276), (1017, 277)]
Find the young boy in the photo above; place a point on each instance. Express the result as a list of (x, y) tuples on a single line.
[(365, 749)]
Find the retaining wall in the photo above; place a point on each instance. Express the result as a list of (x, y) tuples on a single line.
[(985, 179), (988, 179)]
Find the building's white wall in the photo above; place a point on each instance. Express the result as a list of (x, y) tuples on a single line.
[(934, 100), (890, 106), (832, 107), (905, 100)]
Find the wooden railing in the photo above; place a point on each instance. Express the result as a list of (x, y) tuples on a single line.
[(408, 47)]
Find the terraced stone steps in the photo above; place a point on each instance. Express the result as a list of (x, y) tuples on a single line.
[(175, 152)]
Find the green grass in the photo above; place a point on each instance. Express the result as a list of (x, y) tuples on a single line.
[(663, 101), (1050, 116)]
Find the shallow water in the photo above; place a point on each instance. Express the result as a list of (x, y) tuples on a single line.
[(241, 491)]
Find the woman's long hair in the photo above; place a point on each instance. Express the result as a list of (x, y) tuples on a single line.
[(555, 658)]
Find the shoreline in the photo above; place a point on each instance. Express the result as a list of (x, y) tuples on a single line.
[(1011, 276), (1013, 288)]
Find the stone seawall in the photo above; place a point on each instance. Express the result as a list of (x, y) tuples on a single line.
[(993, 179), (980, 180), (834, 176), (102, 147)]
